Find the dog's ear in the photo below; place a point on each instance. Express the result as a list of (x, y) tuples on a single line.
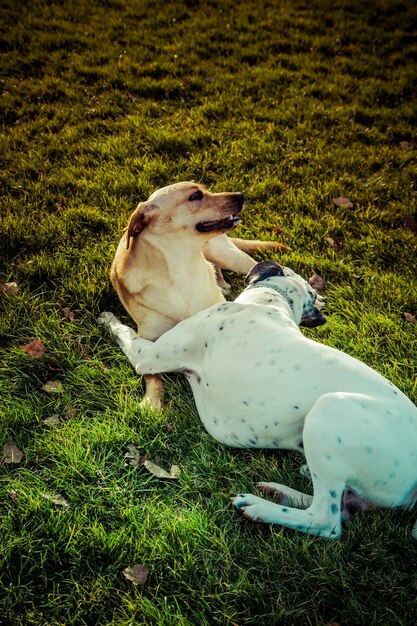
[(140, 218), (260, 271)]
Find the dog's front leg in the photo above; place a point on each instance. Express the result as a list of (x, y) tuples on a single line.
[(151, 357), (224, 254), (134, 348), (130, 343)]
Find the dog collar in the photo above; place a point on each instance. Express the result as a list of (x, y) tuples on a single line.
[(265, 284)]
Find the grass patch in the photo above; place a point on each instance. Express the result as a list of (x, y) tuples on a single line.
[(102, 102)]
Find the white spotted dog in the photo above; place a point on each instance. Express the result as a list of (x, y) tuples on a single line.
[(258, 382)]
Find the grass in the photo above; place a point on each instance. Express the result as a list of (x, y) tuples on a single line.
[(294, 103)]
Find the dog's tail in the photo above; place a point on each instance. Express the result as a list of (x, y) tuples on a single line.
[(250, 246)]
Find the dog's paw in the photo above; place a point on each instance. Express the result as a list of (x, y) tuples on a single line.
[(251, 507), (106, 318), (149, 403)]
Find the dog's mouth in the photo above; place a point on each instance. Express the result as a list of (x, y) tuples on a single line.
[(219, 225)]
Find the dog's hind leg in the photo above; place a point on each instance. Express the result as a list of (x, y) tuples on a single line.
[(322, 518)]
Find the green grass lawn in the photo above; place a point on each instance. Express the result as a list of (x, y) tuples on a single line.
[(295, 103)]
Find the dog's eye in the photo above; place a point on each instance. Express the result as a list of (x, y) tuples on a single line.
[(198, 195)]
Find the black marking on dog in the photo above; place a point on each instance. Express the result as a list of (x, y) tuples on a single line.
[(246, 403), (221, 327), (296, 407), (339, 440), (205, 344), (253, 441), (198, 379), (332, 493), (334, 508), (284, 510)]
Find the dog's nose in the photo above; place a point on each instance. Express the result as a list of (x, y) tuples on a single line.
[(240, 198)]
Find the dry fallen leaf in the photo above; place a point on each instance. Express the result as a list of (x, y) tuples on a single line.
[(9, 288), (154, 469), (53, 386), (70, 412), (336, 244), (406, 144), (317, 282), (134, 457), (342, 201), (277, 229), (11, 453), (175, 471), (55, 498), (159, 472), (35, 349), (68, 314), (409, 317), (52, 421), (137, 574), (13, 496)]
